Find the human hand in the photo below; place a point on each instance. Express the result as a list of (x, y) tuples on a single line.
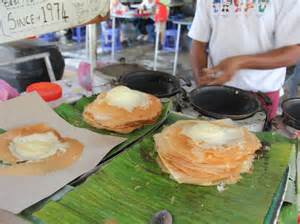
[(221, 73)]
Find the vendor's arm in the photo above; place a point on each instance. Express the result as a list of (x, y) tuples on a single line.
[(223, 72), (198, 58), (200, 33)]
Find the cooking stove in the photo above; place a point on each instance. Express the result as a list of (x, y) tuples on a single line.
[(72, 92), (254, 123), (280, 127)]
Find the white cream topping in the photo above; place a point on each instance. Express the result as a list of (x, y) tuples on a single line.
[(101, 117), (212, 135), (36, 146), (126, 98)]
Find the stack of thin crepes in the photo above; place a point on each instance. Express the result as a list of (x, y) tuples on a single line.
[(122, 110), (206, 152)]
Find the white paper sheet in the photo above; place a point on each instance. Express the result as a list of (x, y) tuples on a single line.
[(18, 193)]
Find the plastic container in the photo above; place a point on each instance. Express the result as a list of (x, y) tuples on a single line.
[(6, 91), (47, 90)]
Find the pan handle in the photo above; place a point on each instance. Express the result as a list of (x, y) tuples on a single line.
[(187, 81), (185, 95), (182, 100), (268, 122), (268, 102), (122, 60)]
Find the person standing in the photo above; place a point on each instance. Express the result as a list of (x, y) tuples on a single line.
[(161, 17), (247, 46), (146, 7)]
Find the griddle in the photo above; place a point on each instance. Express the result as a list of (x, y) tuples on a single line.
[(291, 112), (228, 102)]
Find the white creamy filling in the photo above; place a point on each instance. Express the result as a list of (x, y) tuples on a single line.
[(101, 117), (126, 98), (36, 146), (212, 135)]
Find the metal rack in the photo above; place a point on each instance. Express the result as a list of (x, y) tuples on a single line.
[(45, 56)]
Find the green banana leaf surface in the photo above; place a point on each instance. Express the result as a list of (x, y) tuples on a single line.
[(131, 188), (288, 214)]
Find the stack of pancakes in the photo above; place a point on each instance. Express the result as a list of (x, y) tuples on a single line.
[(122, 110), (206, 153)]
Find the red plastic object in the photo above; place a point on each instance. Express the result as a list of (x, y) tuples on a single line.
[(161, 13), (47, 90)]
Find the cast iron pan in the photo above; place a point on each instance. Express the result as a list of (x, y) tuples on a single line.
[(227, 102), (291, 112), (157, 83)]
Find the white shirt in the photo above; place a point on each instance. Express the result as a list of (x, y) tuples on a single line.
[(149, 5), (239, 27)]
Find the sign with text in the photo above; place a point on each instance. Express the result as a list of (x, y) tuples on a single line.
[(20, 19)]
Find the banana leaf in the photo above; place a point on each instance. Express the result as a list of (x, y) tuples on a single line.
[(288, 214), (131, 188), (73, 115)]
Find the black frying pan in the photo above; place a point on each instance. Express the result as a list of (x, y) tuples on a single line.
[(227, 102), (157, 83), (291, 112)]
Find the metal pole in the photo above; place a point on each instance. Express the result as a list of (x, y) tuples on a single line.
[(177, 49), (156, 46), (25, 59), (113, 43), (87, 43), (92, 29), (50, 69)]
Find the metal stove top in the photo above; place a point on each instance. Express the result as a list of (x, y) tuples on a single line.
[(285, 130), (254, 123)]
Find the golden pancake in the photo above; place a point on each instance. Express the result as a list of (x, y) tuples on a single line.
[(58, 161), (101, 114), (227, 152)]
